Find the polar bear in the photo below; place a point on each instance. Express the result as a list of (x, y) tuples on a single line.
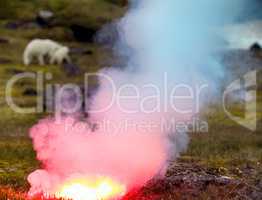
[(60, 56), (44, 48)]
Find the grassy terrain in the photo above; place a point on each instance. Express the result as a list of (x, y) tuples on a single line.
[(227, 148), (17, 157)]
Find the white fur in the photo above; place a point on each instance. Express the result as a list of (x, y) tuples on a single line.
[(41, 48), (60, 55)]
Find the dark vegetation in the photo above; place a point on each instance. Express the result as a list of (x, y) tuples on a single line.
[(227, 150)]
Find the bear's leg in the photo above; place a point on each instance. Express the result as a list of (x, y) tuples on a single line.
[(27, 59), (60, 61), (41, 60), (52, 60)]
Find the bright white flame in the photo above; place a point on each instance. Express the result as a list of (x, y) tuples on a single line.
[(87, 189)]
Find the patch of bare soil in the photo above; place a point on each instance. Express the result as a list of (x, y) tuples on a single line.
[(187, 181)]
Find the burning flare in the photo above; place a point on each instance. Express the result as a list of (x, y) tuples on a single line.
[(91, 189)]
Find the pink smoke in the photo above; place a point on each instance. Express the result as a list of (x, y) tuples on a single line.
[(69, 148), (122, 146)]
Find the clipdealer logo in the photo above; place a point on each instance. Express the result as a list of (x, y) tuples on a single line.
[(246, 86)]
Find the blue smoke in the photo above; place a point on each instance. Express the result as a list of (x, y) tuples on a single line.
[(179, 37)]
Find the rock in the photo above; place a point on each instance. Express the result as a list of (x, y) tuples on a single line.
[(4, 41), (5, 61), (256, 50), (82, 33), (12, 25), (71, 69), (120, 2), (30, 92), (124, 2), (255, 47), (21, 24), (46, 14), (80, 51), (44, 18)]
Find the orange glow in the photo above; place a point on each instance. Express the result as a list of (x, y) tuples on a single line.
[(86, 189)]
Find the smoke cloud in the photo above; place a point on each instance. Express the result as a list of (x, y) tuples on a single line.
[(170, 67)]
